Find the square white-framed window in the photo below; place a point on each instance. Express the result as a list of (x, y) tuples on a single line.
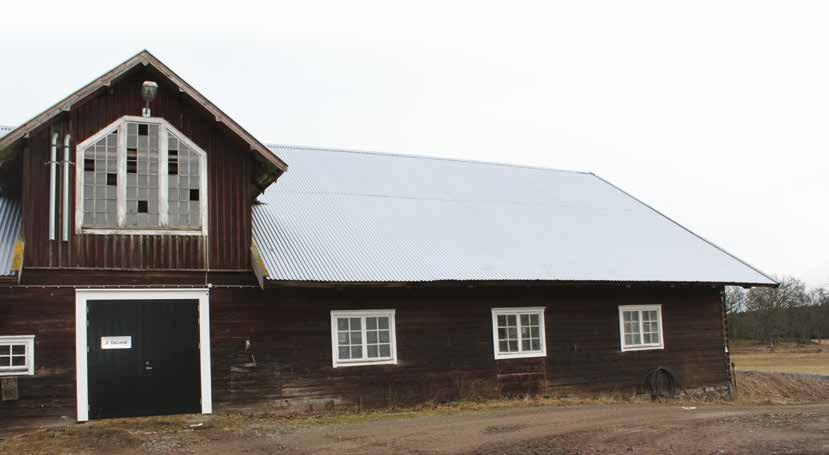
[(640, 327), (518, 332), (363, 337), (17, 355)]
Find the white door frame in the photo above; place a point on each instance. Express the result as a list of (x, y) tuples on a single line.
[(83, 295)]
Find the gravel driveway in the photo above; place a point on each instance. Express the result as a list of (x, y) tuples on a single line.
[(585, 429)]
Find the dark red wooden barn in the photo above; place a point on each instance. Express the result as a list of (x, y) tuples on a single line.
[(150, 245)]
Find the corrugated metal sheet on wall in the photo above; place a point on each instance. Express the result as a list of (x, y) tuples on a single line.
[(11, 221)]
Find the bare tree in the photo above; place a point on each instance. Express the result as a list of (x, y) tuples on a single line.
[(773, 308), (819, 299), (735, 303)]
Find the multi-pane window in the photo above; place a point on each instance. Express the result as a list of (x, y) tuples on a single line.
[(142, 174), (518, 332), (640, 327), (17, 355), (100, 189), (363, 337), (184, 183)]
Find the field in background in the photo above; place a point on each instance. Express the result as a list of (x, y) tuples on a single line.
[(782, 358)]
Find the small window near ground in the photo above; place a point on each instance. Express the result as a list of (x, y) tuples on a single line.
[(640, 327), (363, 338), (518, 332), (17, 356)]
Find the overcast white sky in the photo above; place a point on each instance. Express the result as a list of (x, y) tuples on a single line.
[(716, 113)]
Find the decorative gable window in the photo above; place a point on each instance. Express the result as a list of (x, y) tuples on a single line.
[(141, 175)]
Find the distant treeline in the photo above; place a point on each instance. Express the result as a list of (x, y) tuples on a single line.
[(790, 312)]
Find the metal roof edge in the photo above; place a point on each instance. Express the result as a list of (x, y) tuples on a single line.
[(438, 283), (774, 282)]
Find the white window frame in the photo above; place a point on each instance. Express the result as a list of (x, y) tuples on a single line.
[(29, 368), (337, 363), (164, 129), (642, 346), (82, 348), (518, 311)]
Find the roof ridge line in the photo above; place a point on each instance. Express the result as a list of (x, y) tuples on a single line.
[(423, 157)]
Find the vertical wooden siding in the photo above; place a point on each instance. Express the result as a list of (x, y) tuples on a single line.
[(230, 168)]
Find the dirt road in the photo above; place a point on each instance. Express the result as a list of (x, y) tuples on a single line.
[(591, 429), (619, 428)]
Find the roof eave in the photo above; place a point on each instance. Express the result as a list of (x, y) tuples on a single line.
[(270, 282)]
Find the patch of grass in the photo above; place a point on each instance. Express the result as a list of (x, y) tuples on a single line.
[(782, 358), (75, 439), (161, 434)]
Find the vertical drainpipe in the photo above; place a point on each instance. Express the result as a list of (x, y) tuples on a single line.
[(66, 162), (53, 164)]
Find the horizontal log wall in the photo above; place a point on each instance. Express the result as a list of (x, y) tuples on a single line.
[(49, 315), (444, 344)]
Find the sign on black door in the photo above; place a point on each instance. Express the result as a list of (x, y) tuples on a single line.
[(143, 357)]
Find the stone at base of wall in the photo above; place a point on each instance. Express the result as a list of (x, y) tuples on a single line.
[(717, 392)]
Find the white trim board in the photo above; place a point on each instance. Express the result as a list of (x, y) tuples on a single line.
[(81, 342)]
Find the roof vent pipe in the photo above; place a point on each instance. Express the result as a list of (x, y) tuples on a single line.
[(149, 90)]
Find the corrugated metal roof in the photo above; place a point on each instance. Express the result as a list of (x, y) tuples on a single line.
[(11, 220), (346, 216)]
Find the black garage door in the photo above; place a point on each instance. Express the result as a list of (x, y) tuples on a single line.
[(143, 357)]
